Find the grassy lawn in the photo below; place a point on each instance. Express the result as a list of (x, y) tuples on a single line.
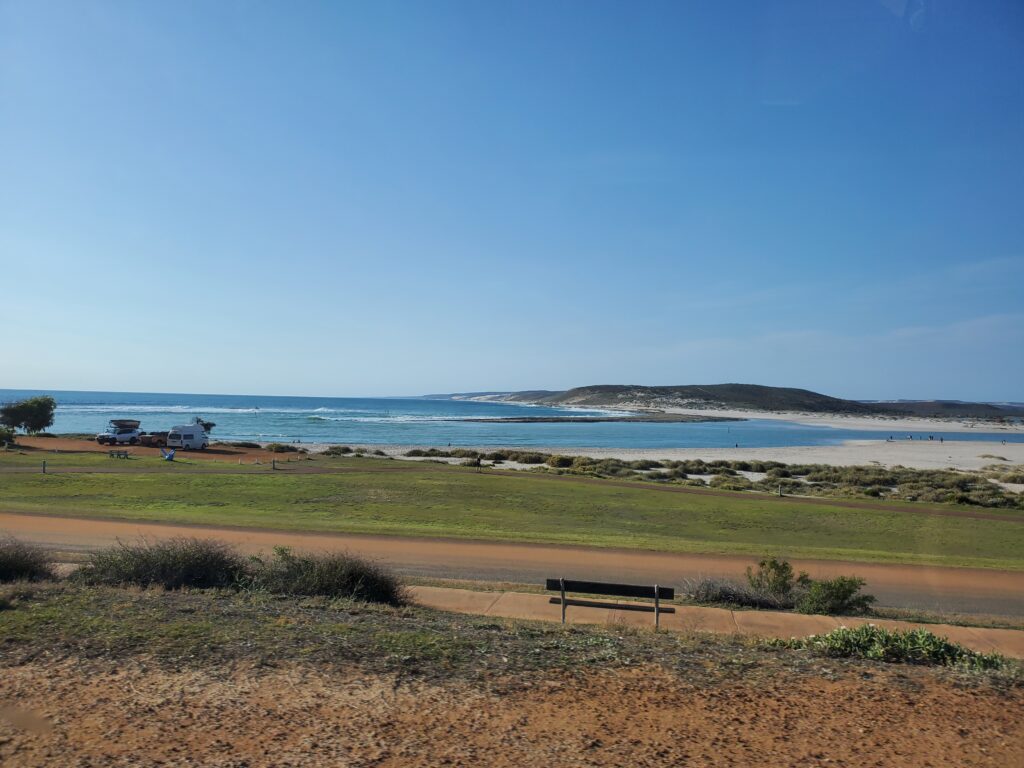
[(388, 497)]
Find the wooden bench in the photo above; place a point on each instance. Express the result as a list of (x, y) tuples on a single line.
[(118, 454), (655, 592)]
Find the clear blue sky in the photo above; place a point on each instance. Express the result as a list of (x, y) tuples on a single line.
[(385, 198)]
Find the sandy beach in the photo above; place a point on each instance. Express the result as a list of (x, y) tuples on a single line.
[(844, 421)]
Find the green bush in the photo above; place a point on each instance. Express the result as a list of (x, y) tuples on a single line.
[(725, 592), (527, 457), (282, 448), (242, 444), (776, 577), (6, 434), (840, 595), (338, 450), (559, 461), (329, 574), (915, 646), (173, 564), (21, 561)]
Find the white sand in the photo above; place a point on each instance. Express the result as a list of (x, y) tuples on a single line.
[(893, 424)]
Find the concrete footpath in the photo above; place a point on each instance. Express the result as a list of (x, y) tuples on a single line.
[(688, 618)]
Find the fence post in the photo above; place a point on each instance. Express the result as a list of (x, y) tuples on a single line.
[(561, 583), (44, 466), (780, 489), (273, 463), (657, 607)]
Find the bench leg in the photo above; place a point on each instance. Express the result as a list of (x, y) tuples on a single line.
[(562, 584), (657, 607)]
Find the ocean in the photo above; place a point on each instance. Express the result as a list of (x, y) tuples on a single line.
[(414, 421)]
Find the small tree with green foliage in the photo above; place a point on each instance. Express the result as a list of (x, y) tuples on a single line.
[(33, 415), (776, 578)]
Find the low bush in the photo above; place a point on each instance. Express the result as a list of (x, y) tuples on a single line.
[(776, 577), (21, 561), (328, 574), (725, 592), (527, 457), (729, 483), (338, 450), (172, 564), (6, 435), (242, 444), (282, 448), (559, 461), (915, 646), (840, 595)]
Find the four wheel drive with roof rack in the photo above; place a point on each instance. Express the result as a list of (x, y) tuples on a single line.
[(127, 432), (120, 432)]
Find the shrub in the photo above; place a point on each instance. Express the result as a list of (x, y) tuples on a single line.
[(527, 457), (282, 448), (723, 591), (464, 453), (173, 564), (6, 434), (559, 461), (243, 444), (329, 574), (840, 595), (915, 646), (338, 450), (776, 577), (728, 483), (21, 561)]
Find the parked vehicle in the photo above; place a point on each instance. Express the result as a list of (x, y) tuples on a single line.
[(154, 439), (189, 436), (120, 432)]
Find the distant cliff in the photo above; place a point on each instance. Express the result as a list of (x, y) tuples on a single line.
[(751, 397)]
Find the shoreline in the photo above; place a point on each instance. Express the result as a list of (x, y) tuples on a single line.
[(851, 421), (914, 454)]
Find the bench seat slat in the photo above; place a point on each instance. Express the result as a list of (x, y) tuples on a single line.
[(616, 590), (644, 607)]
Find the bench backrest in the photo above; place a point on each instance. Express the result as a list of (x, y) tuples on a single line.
[(606, 588)]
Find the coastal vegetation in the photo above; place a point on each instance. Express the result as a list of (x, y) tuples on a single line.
[(868, 482), (193, 563), (775, 585), (22, 561), (914, 646)]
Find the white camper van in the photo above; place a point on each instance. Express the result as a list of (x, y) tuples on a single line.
[(188, 436)]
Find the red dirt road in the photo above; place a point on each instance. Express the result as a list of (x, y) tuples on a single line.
[(963, 590)]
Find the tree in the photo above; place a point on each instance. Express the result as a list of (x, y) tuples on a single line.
[(32, 415)]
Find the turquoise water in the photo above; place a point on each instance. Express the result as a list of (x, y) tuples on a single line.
[(410, 421)]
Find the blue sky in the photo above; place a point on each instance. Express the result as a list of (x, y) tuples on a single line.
[(390, 198)]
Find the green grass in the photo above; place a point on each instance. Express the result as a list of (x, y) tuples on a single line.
[(385, 497)]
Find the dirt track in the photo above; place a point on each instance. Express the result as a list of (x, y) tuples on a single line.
[(130, 713), (965, 590)]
